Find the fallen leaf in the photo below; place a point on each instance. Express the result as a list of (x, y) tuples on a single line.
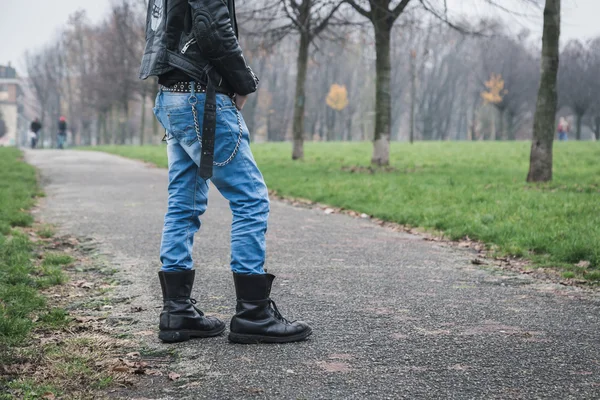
[(48, 396), (154, 372), (583, 264), (135, 354), (83, 284), (329, 211), (121, 368), (173, 376)]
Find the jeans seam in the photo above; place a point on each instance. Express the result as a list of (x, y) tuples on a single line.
[(187, 231)]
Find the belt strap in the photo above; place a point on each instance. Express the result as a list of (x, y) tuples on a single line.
[(209, 125)]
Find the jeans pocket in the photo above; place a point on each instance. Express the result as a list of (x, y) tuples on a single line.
[(181, 124)]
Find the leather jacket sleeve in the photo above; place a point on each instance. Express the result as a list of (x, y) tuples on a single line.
[(216, 38)]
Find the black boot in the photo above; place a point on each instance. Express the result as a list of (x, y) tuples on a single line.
[(257, 319), (179, 319)]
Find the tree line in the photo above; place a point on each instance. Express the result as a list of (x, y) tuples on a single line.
[(375, 70)]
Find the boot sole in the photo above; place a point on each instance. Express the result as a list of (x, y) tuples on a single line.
[(255, 339), (185, 335)]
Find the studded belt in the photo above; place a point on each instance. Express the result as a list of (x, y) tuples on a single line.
[(183, 87)]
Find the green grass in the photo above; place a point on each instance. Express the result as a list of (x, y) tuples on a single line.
[(474, 189), (46, 232), (20, 279)]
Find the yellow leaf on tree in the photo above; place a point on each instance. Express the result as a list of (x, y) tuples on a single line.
[(337, 97), (495, 90)]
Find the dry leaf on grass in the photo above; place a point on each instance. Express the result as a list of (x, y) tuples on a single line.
[(174, 376), (83, 320), (48, 396), (153, 372), (83, 284)]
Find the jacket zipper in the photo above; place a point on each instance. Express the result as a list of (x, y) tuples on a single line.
[(187, 45)]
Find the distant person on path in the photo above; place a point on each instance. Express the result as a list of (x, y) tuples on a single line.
[(35, 127), (62, 132), (563, 129), (192, 46)]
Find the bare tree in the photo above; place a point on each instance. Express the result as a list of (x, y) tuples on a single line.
[(577, 87), (540, 163), (382, 14), (307, 18), (518, 68), (46, 72)]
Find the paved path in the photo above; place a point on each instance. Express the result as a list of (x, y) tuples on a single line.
[(394, 316)]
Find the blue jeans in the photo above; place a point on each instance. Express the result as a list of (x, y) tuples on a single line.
[(235, 175), (61, 139), (562, 136)]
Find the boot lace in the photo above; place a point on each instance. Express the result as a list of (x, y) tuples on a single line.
[(193, 301), (277, 314)]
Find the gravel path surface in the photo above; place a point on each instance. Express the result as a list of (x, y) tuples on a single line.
[(394, 316)]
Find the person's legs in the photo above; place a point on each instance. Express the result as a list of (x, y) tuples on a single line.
[(180, 320), (239, 180), (242, 184), (188, 200), (61, 138)]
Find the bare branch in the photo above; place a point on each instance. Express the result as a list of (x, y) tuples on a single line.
[(359, 9)]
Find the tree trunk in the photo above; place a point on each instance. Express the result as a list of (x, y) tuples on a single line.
[(413, 93), (502, 125), (298, 127), (540, 163), (111, 137), (348, 132), (143, 121), (511, 126), (125, 123), (578, 121), (597, 127), (383, 99)]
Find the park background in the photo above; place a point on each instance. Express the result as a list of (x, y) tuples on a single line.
[(452, 87), (457, 97)]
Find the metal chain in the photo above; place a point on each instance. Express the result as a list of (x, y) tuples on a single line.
[(237, 145)]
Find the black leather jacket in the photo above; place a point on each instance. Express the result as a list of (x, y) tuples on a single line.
[(198, 37)]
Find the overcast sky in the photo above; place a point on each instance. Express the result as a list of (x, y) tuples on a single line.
[(29, 24)]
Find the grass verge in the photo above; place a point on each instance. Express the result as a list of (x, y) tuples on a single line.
[(463, 189), (46, 353), (20, 279)]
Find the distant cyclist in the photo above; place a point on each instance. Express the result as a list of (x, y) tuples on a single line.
[(62, 132), (36, 126)]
